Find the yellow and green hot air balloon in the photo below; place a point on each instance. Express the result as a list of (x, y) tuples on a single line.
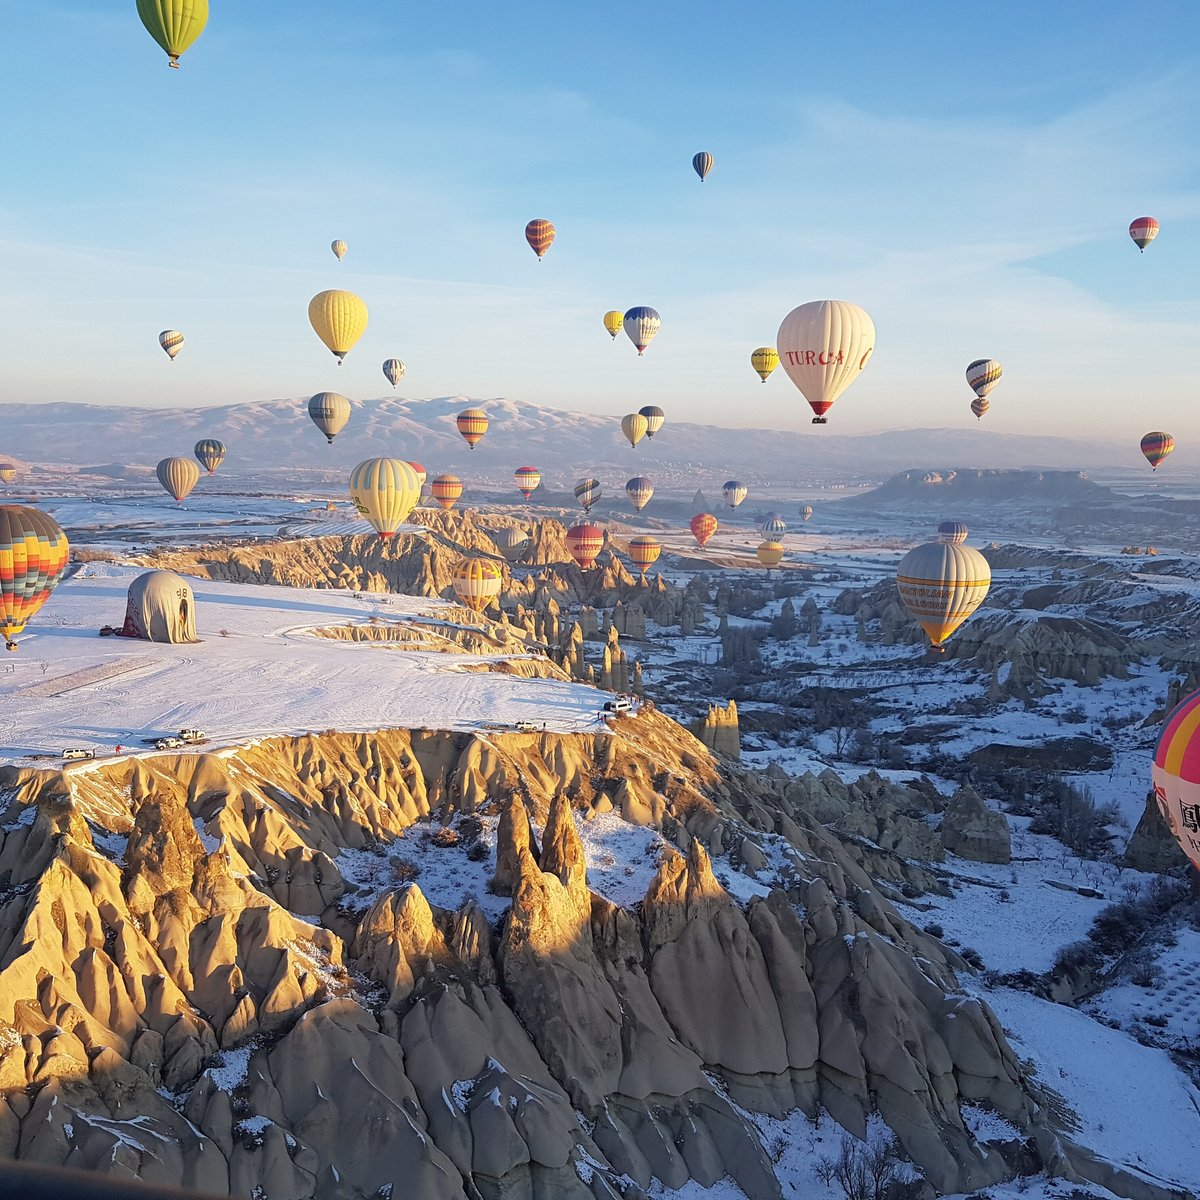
[(384, 491), (174, 24), (764, 360), (33, 558), (477, 583), (210, 453), (635, 427), (614, 321), (942, 584), (339, 319), (178, 476)]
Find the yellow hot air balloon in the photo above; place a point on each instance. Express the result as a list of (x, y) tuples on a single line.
[(8, 472), (171, 340), (339, 248), (178, 476), (942, 584), (446, 489), (174, 24), (472, 423), (339, 319), (770, 554), (477, 583), (644, 551), (824, 346), (329, 412), (613, 322), (33, 558), (764, 360), (635, 427), (385, 491)]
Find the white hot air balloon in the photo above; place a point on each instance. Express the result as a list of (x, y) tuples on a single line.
[(823, 347)]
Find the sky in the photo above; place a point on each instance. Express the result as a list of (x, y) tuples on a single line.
[(966, 172)]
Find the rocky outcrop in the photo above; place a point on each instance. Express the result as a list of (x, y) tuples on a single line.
[(972, 830), (719, 731), (1152, 847)]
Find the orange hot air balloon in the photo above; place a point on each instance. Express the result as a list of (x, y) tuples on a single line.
[(703, 526), (942, 584), (472, 424), (644, 551), (584, 542), (528, 479), (540, 236), (1156, 447), (446, 490), (33, 559), (477, 583), (770, 553)]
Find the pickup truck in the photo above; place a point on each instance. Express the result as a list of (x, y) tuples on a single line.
[(168, 743), (525, 727), (190, 736)]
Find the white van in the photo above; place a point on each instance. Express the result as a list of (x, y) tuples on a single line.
[(73, 754)]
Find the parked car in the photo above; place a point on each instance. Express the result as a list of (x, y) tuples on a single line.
[(193, 735), (168, 743), (525, 727), (70, 754), (620, 704)]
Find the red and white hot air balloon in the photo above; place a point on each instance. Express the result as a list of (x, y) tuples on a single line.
[(584, 542), (1143, 231)]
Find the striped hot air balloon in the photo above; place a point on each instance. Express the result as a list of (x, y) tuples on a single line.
[(8, 472), (823, 347), (540, 236), (1143, 230), (584, 542), (952, 532), (329, 412), (1175, 773), (339, 319), (942, 584), (393, 370), (171, 340), (587, 492), (770, 553), (639, 490), (512, 542), (806, 513), (773, 526), (384, 491), (178, 476), (477, 583), (982, 375), (655, 417), (734, 491), (472, 424), (703, 526), (634, 426), (644, 551), (1156, 447), (527, 480), (209, 453), (764, 360), (33, 557), (979, 406), (446, 489), (641, 326), (339, 248), (420, 473), (702, 163), (614, 321)]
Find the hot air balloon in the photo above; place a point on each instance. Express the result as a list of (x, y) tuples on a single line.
[(339, 248), (8, 472), (472, 424), (210, 453), (979, 406), (1143, 231), (613, 322), (942, 584), (527, 480), (703, 526), (982, 375), (446, 490), (385, 491), (770, 553), (952, 532), (824, 346), (584, 542), (639, 490), (393, 371), (540, 236), (587, 492), (1175, 773), (420, 473), (329, 412), (634, 426), (734, 491), (339, 319), (178, 476), (806, 513), (702, 163), (33, 558), (1156, 447), (171, 340), (764, 360), (642, 325), (655, 417), (511, 542), (644, 551), (773, 526), (477, 583), (174, 24)]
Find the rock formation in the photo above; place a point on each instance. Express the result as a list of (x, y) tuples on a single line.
[(719, 731), (972, 830)]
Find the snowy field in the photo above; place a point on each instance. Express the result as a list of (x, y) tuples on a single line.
[(258, 670)]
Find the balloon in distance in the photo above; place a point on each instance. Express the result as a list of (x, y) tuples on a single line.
[(644, 550), (210, 454), (446, 490), (655, 417), (942, 584), (174, 24), (384, 491), (339, 319), (703, 526), (639, 490), (472, 424), (641, 326), (178, 476), (477, 583), (329, 412)]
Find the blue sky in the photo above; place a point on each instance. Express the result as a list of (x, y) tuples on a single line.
[(966, 172)]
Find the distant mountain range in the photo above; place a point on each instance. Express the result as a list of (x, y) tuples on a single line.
[(274, 434)]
